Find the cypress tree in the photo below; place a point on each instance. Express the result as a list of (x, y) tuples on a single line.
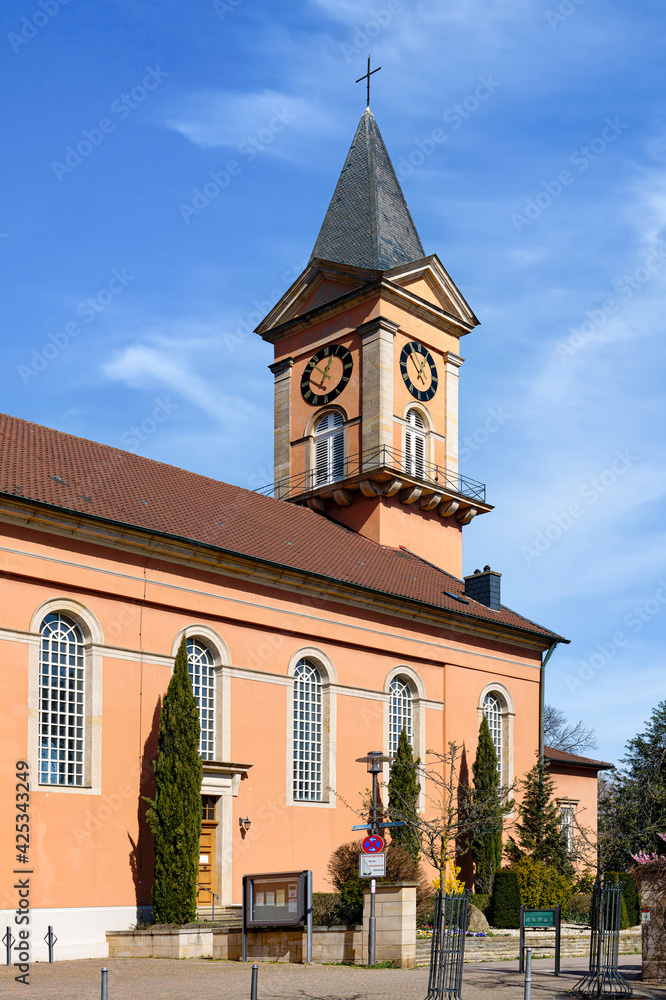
[(175, 813), (540, 835), (403, 797), (486, 847)]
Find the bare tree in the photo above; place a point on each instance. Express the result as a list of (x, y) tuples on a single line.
[(560, 734), (453, 814)]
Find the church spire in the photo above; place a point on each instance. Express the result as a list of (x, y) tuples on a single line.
[(368, 223)]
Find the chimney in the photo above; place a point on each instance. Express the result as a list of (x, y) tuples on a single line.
[(484, 587)]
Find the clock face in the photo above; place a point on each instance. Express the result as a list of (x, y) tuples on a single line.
[(418, 371), (326, 374)]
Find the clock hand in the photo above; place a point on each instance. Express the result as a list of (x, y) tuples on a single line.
[(419, 371), (322, 372)]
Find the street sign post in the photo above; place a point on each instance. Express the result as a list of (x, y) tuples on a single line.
[(540, 920)]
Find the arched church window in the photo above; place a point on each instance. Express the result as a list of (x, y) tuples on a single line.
[(400, 713), (329, 448), (492, 708), (201, 665), (307, 748), (415, 444), (61, 702)]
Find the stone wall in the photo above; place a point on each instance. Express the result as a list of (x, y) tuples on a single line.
[(329, 944), (653, 899)]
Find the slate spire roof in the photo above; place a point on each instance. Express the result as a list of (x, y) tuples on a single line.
[(368, 223)]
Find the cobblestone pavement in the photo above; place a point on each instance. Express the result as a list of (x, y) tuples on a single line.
[(196, 979)]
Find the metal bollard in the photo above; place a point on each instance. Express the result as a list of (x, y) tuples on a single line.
[(50, 939), (9, 940), (253, 987), (105, 984), (528, 974)]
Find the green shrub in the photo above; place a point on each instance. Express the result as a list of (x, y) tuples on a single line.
[(577, 910), (630, 901), (542, 886), (425, 914), (326, 909), (481, 901), (400, 867), (505, 900)]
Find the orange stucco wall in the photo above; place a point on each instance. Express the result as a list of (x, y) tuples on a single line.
[(89, 849)]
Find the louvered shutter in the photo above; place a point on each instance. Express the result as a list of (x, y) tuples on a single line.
[(415, 444), (329, 449)]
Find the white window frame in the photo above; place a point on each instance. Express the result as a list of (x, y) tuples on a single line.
[(62, 693), (508, 712), (201, 667), (93, 643), (308, 742), (219, 650), (415, 450), (492, 709), (408, 675), (567, 809), (401, 712), (329, 684), (328, 448)]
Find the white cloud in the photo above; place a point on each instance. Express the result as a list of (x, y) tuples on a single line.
[(217, 118)]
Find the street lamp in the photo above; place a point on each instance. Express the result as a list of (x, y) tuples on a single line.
[(375, 761)]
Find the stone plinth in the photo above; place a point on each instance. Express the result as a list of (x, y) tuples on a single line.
[(395, 912), (653, 898)]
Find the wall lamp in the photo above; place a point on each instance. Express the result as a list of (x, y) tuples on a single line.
[(244, 824)]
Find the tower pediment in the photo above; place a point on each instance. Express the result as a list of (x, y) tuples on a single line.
[(423, 286)]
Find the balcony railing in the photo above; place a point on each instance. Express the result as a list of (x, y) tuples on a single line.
[(385, 459)]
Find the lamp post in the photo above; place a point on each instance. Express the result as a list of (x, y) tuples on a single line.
[(375, 761)]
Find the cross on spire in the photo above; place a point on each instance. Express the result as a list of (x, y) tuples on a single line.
[(366, 76)]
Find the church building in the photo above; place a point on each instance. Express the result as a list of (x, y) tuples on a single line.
[(322, 616)]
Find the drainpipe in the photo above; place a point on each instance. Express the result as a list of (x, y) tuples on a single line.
[(542, 694)]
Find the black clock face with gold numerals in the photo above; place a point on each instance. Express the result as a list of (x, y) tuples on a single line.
[(418, 371), (326, 374)]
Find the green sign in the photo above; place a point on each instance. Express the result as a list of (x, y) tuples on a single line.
[(539, 918)]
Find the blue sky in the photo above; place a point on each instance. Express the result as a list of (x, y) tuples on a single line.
[(530, 139)]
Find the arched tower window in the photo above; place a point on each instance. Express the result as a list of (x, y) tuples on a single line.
[(307, 748), (400, 713), (329, 448), (61, 702), (492, 708), (415, 444), (202, 674)]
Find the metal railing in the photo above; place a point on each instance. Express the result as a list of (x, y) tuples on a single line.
[(391, 460), (214, 896)]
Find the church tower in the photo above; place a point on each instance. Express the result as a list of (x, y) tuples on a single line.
[(367, 356)]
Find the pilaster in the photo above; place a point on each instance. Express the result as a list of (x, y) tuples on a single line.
[(282, 419), (378, 362), (453, 363)]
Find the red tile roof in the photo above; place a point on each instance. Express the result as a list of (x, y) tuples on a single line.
[(73, 474), (563, 757)]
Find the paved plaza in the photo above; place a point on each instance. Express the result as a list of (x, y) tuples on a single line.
[(197, 979)]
